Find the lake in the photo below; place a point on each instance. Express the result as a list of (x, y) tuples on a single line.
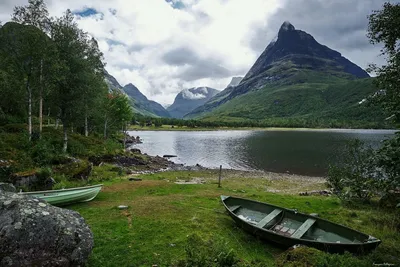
[(299, 151)]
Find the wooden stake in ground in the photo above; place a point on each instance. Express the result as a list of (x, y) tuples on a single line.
[(220, 174)]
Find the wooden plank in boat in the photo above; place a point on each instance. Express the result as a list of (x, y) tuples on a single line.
[(235, 208), (268, 218), (303, 228)]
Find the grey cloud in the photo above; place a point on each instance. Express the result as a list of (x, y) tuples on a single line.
[(197, 68), (180, 56), (204, 69), (338, 24)]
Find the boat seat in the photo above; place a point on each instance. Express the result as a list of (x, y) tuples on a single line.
[(303, 228), (268, 218), (235, 208)]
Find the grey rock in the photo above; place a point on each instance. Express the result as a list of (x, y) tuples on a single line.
[(7, 187), (34, 233)]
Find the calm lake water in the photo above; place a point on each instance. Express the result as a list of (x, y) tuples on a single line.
[(305, 152)]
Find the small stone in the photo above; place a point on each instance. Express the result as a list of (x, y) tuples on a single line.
[(8, 202), (18, 225), (45, 213), (41, 204), (27, 211), (122, 207)]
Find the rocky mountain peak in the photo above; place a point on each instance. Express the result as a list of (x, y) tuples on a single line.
[(287, 26), (300, 49)]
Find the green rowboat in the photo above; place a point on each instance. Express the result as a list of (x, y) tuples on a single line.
[(67, 196), (288, 227)]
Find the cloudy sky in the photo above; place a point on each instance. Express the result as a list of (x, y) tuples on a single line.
[(164, 46)]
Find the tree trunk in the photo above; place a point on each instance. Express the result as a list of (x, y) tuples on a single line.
[(57, 122), (105, 128), (86, 125), (41, 98), (65, 130), (28, 88), (124, 132)]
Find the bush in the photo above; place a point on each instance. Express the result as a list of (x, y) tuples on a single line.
[(43, 152), (388, 160), (356, 176), (210, 253), (365, 172)]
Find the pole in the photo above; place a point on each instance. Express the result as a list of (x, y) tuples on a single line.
[(220, 174)]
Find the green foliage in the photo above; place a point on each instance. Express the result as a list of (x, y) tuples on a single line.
[(210, 253), (388, 160), (355, 178), (118, 112), (365, 172), (383, 29)]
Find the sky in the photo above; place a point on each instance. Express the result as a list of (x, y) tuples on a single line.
[(165, 46)]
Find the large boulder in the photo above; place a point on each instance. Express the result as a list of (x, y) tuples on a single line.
[(34, 233)]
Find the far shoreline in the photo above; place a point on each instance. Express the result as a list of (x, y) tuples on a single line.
[(200, 129)]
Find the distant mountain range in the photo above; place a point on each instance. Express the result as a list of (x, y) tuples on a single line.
[(140, 103), (295, 77), (189, 99)]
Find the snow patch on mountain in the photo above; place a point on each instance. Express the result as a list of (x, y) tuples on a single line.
[(195, 93)]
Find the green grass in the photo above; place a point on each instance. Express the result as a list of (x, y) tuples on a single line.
[(162, 215)]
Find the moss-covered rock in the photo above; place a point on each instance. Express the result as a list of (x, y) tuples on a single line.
[(32, 180), (75, 169)]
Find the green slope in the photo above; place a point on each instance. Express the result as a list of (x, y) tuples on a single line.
[(304, 95)]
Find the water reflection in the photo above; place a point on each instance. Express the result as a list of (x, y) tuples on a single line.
[(296, 151)]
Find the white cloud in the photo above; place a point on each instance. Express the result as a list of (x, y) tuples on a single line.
[(134, 36)]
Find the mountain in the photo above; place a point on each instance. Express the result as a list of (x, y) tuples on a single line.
[(189, 99), (235, 81), (112, 83), (295, 77), (140, 103), (143, 105)]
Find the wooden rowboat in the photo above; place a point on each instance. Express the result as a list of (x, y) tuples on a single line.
[(67, 196), (288, 227)]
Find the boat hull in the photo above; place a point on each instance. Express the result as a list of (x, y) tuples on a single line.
[(287, 241), (67, 196)]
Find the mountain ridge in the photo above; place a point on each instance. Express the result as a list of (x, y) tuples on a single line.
[(140, 103)]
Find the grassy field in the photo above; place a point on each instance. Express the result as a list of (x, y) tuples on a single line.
[(157, 229)]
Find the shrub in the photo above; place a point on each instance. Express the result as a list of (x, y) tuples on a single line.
[(210, 253), (43, 152), (356, 176), (388, 160)]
